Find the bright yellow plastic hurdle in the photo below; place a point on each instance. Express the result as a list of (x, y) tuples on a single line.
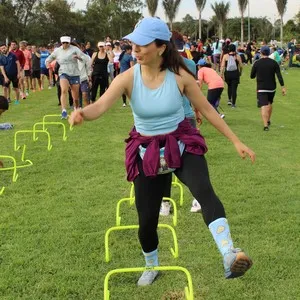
[(54, 116), (131, 202), (34, 137), (15, 166), (64, 137), (174, 250), (189, 293)]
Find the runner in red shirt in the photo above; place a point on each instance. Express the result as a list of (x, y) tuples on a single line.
[(13, 47)]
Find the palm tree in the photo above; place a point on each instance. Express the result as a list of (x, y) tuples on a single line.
[(171, 7), (200, 6), (281, 7), (221, 10), (152, 7), (242, 7)]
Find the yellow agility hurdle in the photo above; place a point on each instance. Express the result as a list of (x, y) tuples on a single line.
[(28, 162), (55, 116), (16, 147), (174, 250), (118, 218), (179, 185), (131, 202), (189, 293), (64, 137), (14, 168)]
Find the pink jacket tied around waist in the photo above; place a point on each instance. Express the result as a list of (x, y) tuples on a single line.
[(194, 143)]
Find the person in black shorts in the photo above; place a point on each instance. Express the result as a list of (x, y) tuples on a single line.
[(264, 70), (11, 70), (36, 68)]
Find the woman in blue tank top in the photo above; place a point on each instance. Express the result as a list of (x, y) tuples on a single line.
[(163, 141)]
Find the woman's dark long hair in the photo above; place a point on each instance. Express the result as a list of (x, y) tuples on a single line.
[(126, 48), (172, 60)]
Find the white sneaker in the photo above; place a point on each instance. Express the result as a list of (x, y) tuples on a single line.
[(222, 116), (165, 208), (196, 207), (147, 278), (124, 105), (49, 87), (27, 94)]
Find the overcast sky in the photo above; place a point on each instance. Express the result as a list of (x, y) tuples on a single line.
[(258, 8)]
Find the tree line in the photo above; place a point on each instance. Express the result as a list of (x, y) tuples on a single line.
[(43, 21)]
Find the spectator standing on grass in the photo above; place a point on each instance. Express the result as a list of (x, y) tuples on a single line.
[(126, 62), (264, 70), (36, 69), (231, 70), (291, 49), (85, 68), (44, 53), (11, 71), (100, 60), (13, 47), (163, 141)]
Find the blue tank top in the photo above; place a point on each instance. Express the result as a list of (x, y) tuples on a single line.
[(188, 110), (156, 111)]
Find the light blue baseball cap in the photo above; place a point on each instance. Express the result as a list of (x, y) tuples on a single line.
[(201, 62), (149, 29)]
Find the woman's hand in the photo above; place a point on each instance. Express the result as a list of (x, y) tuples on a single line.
[(243, 151), (76, 118)]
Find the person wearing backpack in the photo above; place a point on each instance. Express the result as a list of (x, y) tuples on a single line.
[(231, 70)]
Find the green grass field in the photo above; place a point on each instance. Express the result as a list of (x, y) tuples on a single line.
[(53, 219)]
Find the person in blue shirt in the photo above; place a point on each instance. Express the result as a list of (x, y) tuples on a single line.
[(10, 69), (163, 141), (126, 62), (44, 71), (291, 49)]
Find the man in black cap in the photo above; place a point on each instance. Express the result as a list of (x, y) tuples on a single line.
[(264, 70)]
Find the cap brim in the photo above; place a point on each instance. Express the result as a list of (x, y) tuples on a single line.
[(139, 39)]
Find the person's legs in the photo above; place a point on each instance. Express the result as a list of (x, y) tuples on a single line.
[(58, 91), (103, 85), (64, 85), (75, 95), (234, 86), (229, 91), (95, 84), (264, 102), (265, 114), (148, 196), (194, 174), (214, 97)]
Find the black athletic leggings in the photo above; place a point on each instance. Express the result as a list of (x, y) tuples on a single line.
[(232, 89), (96, 81), (149, 193)]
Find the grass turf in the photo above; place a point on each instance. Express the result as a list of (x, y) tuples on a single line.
[(53, 219)]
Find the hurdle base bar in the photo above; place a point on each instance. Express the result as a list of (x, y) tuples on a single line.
[(174, 251), (189, 293)]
